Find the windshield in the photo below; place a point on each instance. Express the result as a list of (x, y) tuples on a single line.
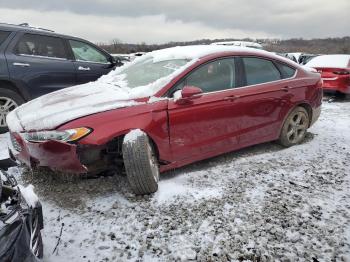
[(147, 71)]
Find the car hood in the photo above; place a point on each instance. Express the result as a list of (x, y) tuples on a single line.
[(54, 109)]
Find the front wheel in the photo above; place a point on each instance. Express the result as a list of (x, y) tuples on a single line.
[(9, 100), (294, 128), (141, 163)]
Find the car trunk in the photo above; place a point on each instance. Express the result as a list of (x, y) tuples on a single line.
[(334, 77)]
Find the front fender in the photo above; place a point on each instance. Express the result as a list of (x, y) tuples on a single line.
[(152, 118)]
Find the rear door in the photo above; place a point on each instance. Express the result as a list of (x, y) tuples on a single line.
[(90, 62), (40, 62), (267, 95), (4, 38)]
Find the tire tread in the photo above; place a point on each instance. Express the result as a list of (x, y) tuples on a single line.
[(137, 166)]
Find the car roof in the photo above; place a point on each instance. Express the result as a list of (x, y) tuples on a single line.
[(201, 51), (36, 30)]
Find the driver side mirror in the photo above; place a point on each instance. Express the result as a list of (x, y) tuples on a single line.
[(114, 61), (187, 94)]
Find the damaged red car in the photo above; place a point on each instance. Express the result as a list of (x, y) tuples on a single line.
[(335, 72), (166, 109)]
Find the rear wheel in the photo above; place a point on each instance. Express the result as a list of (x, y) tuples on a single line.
[(141, 163), (9, 100), (295, 127)]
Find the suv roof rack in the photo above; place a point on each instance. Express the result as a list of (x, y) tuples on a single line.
[(32, 27)]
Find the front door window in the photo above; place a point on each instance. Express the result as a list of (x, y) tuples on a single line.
[(85, 52)]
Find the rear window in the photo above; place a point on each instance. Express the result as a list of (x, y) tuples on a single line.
[(260, 71), (287, 71), (39, 45), (3, 36)]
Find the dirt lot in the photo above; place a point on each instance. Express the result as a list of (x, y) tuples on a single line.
[(262, 203)]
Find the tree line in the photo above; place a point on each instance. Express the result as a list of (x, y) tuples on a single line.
[(340, 45)]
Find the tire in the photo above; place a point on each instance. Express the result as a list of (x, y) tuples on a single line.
[(0, 188), (294, 127), (14, 100), (36, 238), (141, 164), (40, 251)]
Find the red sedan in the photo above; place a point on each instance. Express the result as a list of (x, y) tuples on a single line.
[(335, 72), (167, 109)]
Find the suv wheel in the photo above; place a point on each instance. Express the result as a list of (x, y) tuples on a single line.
[(141, 163), (9, 100)]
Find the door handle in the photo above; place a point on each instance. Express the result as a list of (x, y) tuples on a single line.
[(82, 68), (231, 98), (21, 64), (285, 88)]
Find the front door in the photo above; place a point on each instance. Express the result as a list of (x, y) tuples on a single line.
[(90, 63)]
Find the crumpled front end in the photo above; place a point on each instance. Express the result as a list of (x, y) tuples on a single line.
[(56, 155)]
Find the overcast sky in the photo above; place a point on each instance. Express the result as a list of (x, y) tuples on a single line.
[(161, 21)]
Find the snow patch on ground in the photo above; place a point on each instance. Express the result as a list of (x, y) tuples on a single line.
[(170, 190)]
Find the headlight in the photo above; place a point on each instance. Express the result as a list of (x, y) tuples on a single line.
[(69, 135)]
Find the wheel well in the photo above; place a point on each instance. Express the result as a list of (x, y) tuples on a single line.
[(155, 147), (116, 144), (11, 86), (308, 109)]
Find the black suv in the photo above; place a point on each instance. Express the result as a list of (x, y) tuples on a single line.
[(35, 61)]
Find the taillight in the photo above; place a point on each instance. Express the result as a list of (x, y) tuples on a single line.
[(341, 72)]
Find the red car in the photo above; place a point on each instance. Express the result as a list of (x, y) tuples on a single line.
[(335, 72), (167, 109)]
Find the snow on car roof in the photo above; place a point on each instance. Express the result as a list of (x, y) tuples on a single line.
[(332, 61), (196, 51), (239, 43)]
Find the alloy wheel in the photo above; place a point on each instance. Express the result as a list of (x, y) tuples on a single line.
[(6, 105), (297, 127)]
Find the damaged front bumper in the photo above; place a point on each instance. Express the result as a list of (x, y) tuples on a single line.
[(55, 155)]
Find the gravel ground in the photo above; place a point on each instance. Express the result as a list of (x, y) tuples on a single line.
[(263, 203)]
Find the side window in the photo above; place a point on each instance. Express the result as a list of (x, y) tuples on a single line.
[(3, 36), (85, 52), (39, 45), (214, 76), (260, 70), (287, 71)]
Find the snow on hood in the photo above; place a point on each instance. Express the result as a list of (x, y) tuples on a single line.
[(109, 92), (54, 109), (331, 61)]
